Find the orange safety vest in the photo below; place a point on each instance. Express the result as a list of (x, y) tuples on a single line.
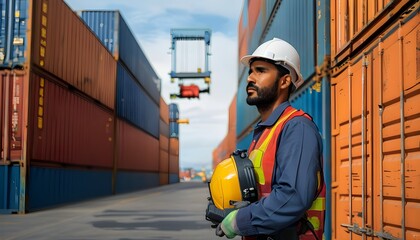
[(263, 155)]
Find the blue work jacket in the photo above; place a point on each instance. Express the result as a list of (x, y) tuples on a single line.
[(294, 181)]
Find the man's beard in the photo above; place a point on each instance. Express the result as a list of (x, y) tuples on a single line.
[(265, 96)]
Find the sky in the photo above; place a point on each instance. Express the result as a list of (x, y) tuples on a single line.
[(151, 22)]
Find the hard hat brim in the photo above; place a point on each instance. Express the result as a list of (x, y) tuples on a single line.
[(246, 59), (296, 79)]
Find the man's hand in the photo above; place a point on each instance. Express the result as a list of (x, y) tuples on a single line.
[(228, 226)]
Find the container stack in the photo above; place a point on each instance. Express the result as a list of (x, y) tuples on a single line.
[(375, 124), (359, 60), (80, 109), (173, 143)]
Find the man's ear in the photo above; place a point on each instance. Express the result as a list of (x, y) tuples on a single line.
[(286, 80)]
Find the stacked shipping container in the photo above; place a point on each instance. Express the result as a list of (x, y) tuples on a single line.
[(375, 119), (75, 123), (361, 87), (173, 143), (164, 143)]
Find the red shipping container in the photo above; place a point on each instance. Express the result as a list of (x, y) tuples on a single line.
[(13, 117), (136, 150), (63, 45), (68, 128)]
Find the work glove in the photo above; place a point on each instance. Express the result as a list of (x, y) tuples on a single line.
[(228, 226)]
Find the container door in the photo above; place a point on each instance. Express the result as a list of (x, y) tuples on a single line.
[(11, 91)]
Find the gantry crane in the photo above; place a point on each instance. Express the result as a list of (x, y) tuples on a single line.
[(190, 60)]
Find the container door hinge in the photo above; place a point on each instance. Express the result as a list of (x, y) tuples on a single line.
[(369, 232)]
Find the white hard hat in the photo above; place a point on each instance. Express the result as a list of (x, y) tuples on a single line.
[(280, 52)]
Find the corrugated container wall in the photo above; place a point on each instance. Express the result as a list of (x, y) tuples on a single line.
[(305, 25), (352, 21), (68, 128), (173, 160), (13, 113), (376, 125), (73, 55), (164, 143), (13, 33), (134, 104), (115, 34), (138, 158), (173, 117), (137, 151)]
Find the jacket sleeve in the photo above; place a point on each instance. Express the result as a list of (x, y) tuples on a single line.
[(294, 182)]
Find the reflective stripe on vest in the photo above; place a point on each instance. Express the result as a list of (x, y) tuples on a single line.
[(263, 155)]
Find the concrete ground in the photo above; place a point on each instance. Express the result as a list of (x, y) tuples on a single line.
[(169, 212)]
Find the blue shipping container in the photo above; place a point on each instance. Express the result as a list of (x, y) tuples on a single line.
[(54, 186), (134, 104), (113, 31), (13, 29), (9, 188), (173, 117), (134, 181)]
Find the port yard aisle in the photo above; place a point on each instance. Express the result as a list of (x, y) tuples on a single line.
[(173, 212), (375, 95)]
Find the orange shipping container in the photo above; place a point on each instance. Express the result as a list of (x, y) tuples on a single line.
[(65, 47), (163, 178), (164, 111), (174, 146), (174, 164), (164, 154), (355, 21), (163, 161), (174, 155), (375, 121)]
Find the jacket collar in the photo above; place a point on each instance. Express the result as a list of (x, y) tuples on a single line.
[(274, 116)]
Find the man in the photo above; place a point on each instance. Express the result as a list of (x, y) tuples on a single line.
[(289, 170)]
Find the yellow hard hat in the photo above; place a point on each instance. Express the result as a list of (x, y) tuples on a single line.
[(233, 181)]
